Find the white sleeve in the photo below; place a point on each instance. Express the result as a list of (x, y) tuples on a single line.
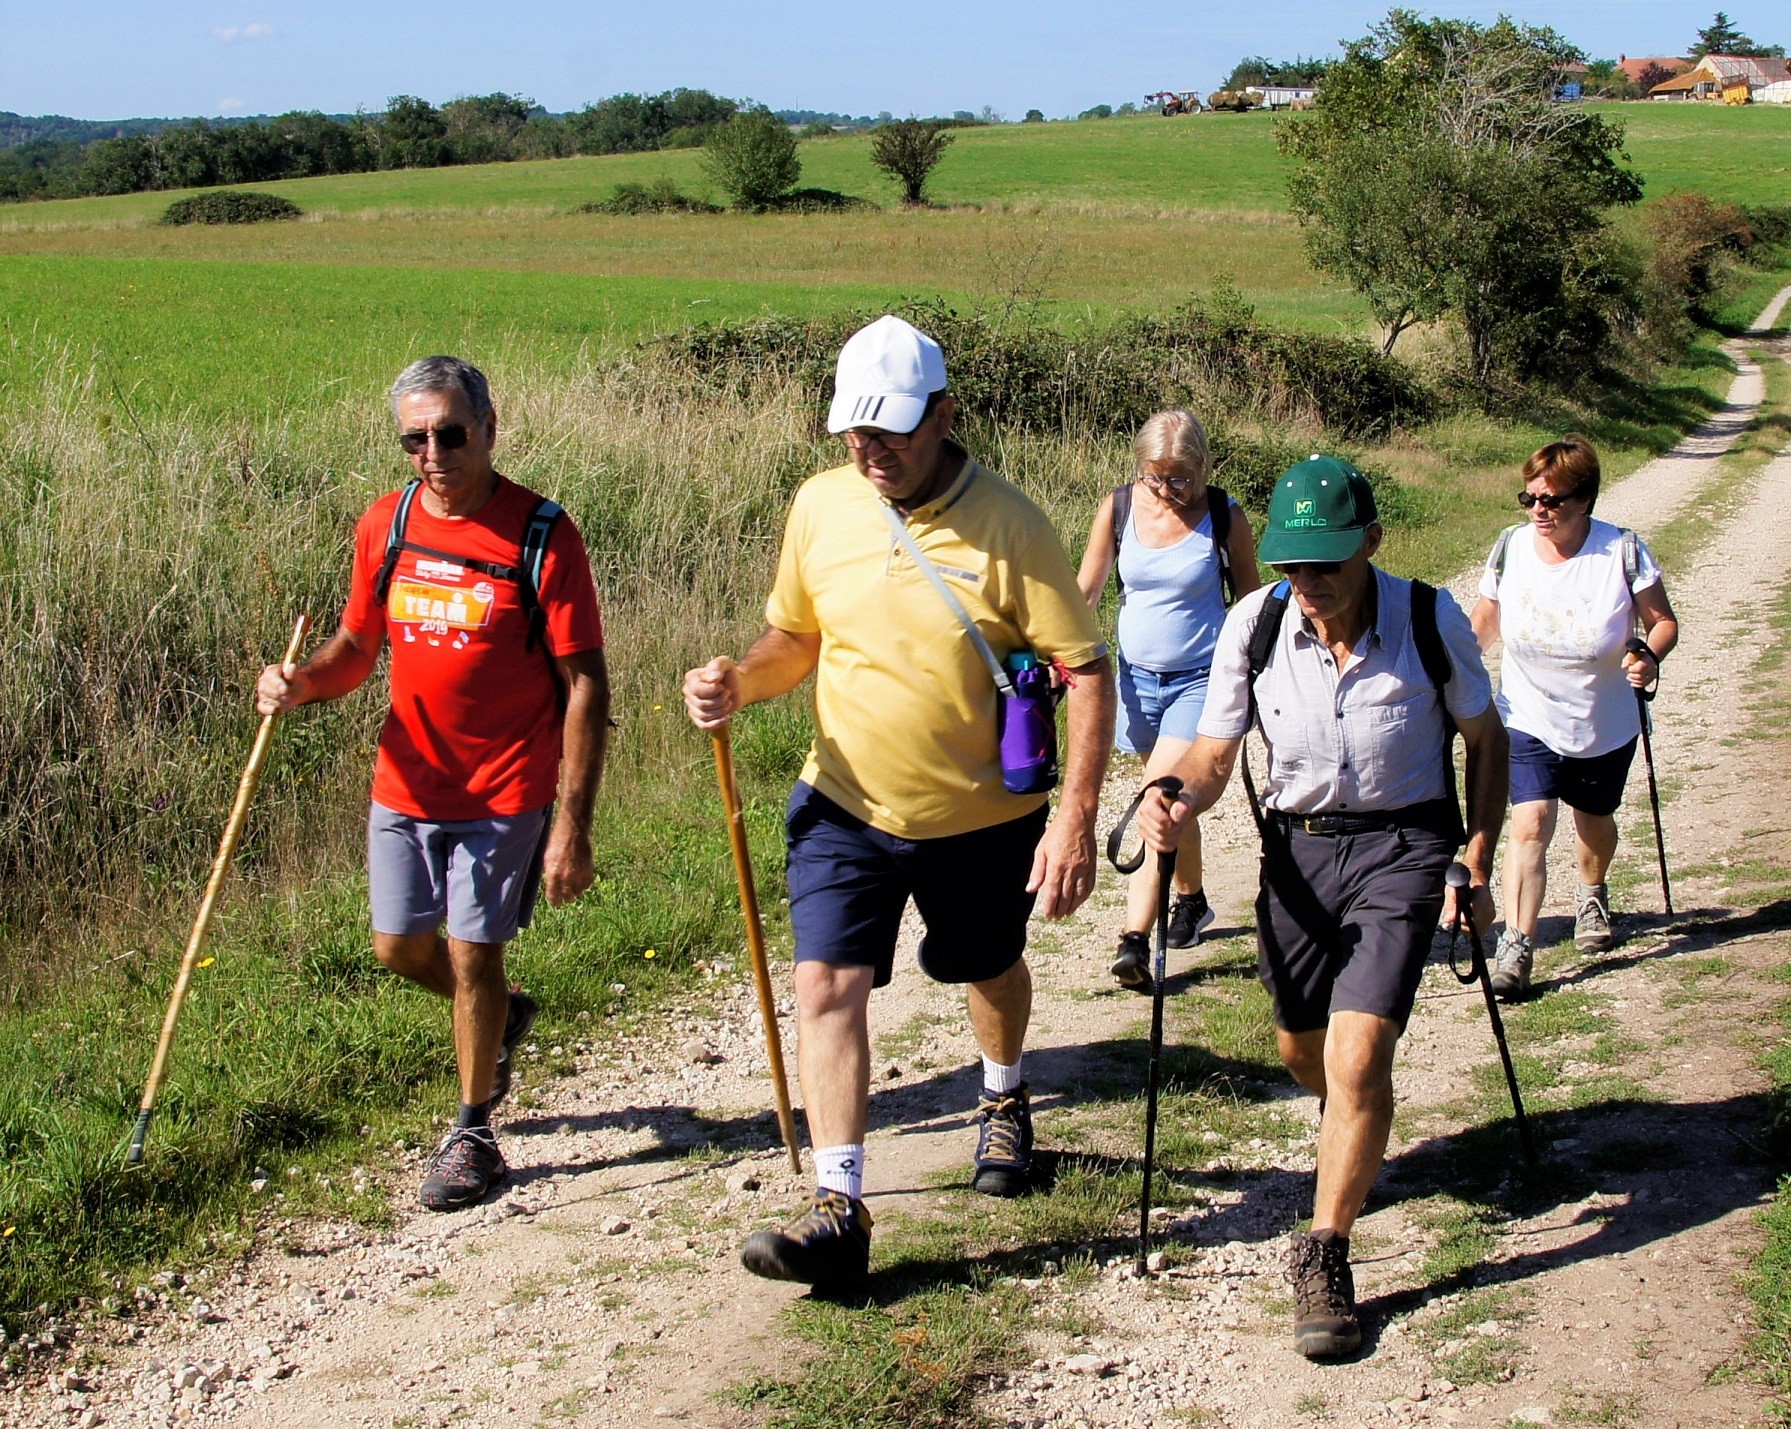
[(1227, 711), (1647, 568), (1469, 690)]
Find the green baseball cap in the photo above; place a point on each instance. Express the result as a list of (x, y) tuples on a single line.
[(1321, 510)]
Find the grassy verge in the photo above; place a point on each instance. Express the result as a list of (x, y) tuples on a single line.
[(1769, 1278)]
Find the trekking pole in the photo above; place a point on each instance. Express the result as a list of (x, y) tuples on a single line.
[(220, 869), (1172, 788), (1644, 698), (1457, 878), (755, 938)]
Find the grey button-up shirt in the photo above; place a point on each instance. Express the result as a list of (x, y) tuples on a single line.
[(1364, 738)]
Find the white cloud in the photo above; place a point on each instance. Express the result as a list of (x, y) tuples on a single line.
[(229, 106), (230, 34)]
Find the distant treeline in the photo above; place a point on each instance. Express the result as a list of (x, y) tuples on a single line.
[(410, 134)]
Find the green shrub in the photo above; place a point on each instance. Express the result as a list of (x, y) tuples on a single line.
[(230, 206), (662, 195), (819, 201), (753, 158), (815, 130)]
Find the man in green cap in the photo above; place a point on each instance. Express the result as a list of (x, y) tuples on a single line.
[(1357, 680)]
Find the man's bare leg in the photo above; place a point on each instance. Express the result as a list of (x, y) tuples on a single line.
[(1352, 1139), (833, 1049), (472, 975)]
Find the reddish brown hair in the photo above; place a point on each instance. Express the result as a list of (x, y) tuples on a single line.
[(1571, 463)]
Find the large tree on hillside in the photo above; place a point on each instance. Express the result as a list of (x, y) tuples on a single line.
[(1440, 178), (1720, 37)]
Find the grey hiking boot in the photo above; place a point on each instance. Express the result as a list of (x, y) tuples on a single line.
[(1511, 966), (517, 1024), (829, 1247), (1189, 916), (1004, 1147), (1592, 924), (1325, 1324), (1132, 967), (465, 1166)]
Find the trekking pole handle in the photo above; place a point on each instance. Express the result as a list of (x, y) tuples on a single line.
[(1638, 646)]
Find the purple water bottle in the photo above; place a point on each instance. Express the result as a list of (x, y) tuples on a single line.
[(1028, 728)]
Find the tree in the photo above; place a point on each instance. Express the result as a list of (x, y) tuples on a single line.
[(485, 128), (1034, 116), (412, 135), (907, 152), (1437, 175), (1299, 72), (753, 158), (1720, 37), (1099, 111)]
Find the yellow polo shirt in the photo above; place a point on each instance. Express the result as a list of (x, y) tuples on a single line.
[(905, 709)]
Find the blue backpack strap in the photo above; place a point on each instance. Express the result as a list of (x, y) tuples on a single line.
[(382, 580), (542, 520)]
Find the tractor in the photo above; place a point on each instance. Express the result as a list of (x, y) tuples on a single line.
[(1173, 102)]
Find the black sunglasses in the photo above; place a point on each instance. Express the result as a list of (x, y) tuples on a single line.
[(448, 438), (1310, 568), (1548, 500)]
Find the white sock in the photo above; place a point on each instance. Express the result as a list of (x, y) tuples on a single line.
[(998, 1078), (841, 1168)]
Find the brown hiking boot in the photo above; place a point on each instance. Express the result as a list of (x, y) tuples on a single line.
[(828, 1248), (1325, 1324)]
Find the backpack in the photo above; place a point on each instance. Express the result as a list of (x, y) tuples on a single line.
[(525, 575), (1632, 554), (1432, 654), (1218, 506)]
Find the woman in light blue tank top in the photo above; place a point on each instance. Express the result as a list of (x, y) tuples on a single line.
[(1172, 604)]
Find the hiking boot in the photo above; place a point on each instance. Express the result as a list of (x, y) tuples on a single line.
[(1004, 1148), (1511, 966), (830, 1247), (517, 1023), (1325, 1324), (1592, 924), (1189, 916), (1132, 967), (465, 1166)]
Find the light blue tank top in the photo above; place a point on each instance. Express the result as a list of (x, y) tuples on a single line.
[(1174, 604)]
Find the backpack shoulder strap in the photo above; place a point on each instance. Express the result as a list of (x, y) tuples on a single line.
[(1122, 513), (382, 580), (542, 521), (1432, 653), (1267, 630), (1501, 547), (1218, 507), (1632, 560)]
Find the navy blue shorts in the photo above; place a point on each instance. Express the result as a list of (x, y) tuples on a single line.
[(1593, 786), (849, 883)]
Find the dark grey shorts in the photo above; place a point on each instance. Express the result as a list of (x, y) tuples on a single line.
[(480, 875), (1344, 921)]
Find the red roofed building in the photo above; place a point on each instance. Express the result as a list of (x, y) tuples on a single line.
[(1733, 79), (1646, 71)]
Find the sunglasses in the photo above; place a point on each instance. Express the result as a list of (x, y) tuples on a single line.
[(1310, 568), (448, 438), (892, 441), (1548, 500), (1176, 483)]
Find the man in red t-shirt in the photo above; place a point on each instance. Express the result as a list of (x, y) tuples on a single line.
[(500, 703)]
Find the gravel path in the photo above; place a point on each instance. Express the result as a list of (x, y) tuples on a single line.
[(604, 1286)]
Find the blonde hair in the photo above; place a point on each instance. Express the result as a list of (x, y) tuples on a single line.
[(1174, 436)]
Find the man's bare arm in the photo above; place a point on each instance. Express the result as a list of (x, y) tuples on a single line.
[(778, 662), (342, 665), (567, 868)]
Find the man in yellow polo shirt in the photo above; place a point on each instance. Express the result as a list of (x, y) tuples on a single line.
[(902, 795)]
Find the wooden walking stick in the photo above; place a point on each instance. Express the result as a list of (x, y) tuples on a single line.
[(220, 869), (755, 938)]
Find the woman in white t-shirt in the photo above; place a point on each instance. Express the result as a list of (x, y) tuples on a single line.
[(1565, 594)]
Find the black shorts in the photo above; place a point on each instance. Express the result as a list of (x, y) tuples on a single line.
[(1593, 785), (849, 883), (1344, 921)]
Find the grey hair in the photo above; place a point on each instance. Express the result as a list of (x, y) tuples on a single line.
[(444, 374), (1174, 436)]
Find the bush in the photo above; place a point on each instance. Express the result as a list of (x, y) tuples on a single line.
[(753, 158), (660, 196), (907, 151), (230, 206), (815, 129), (819, 201)]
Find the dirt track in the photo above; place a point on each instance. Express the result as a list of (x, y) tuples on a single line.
[(604, 1284)]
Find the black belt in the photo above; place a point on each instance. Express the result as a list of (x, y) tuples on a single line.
[(1433, 814)]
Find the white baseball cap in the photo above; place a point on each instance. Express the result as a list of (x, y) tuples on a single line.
[(886, 373)]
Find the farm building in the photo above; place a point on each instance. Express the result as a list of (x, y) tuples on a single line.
[(1646, 71), (1733, 79), (1778, 92)]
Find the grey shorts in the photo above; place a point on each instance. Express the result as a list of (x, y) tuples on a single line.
[(1344, 921), (481, 875)]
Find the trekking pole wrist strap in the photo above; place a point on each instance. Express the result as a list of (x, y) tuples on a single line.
[(1116, 840)]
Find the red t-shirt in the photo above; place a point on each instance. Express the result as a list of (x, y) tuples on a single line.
[(474, 728)]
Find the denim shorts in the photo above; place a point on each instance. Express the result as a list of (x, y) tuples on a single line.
[(1158, 704), (480, 876), (849, 883), (1593, 786)]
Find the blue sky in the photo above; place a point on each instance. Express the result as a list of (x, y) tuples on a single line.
[(109, 59)]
